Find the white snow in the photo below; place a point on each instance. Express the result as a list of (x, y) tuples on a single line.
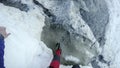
[(62, 66), (24, 49), (72, 58), (112, 46)]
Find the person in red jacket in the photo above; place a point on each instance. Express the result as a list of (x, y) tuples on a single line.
[(56, 59), (3, 35), (54, 64)]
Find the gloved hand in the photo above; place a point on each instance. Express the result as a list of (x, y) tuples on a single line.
[(58, 49), (58, 46), (3, 32)]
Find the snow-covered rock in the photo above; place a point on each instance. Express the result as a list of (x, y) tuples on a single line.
[(88, 31), (66, 25)]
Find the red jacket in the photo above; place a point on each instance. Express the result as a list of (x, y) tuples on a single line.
[(56, 60)]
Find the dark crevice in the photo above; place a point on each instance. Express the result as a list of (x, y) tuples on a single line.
[(46, 11), (16, 4), (102, 60), (98, 59)]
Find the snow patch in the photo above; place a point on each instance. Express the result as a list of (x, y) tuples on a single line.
[(23, 48), (72, 58)]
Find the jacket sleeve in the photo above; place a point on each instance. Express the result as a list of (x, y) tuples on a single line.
[(2, 46), (56, 60)]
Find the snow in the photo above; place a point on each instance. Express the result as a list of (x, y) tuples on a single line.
[(24, 48), (112, 46), (72, 58), (70, 33), (62, 66)]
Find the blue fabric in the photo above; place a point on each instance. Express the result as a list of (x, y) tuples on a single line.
[(2, 46)]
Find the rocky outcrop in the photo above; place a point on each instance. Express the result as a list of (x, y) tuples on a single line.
[(97, 18), (16, 4), (78, 25)]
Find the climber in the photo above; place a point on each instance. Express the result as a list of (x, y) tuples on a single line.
[(3, 35), (54, 64), (56, 60)]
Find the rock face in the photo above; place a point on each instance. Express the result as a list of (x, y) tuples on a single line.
[(78, 25), (16, 4), (97, 18)]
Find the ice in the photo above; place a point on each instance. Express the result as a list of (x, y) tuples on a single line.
[(24, 48)]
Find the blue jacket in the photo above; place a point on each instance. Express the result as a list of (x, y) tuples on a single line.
[(2, 46)]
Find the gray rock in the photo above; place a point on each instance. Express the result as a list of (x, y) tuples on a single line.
[(16, 4), (97, 18), (76, 25)]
